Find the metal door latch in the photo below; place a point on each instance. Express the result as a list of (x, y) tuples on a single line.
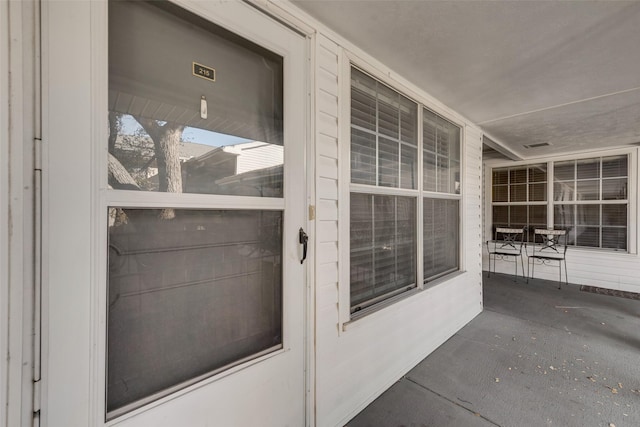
[(303, 239)]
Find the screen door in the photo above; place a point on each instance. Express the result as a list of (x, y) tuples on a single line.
[(199, 287)]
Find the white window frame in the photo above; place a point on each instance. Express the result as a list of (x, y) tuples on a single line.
[(632, 196), (345, 188)]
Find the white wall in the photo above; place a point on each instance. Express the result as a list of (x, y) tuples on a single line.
[(355, 365), (591, 267)]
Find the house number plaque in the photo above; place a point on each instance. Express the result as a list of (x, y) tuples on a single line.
[(207, 73)]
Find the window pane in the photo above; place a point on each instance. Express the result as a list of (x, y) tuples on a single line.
[(454, 174), (189, 296), (518, 176), (593, 225), (159, 139), (404, 270), (518, 216), (588, 190), (500, 193), (383, 247), (538, 192), (614, 189), (588, 214), (518, 193), (614, 238), (378, 160), (441, 237), (614, 215), (454, 142), (563, 216), (563, 191), (408, 121), (429, 130), (429, 175), (388, 163), (409, 167), (537, 219), (388, 112), (564, 171), (363, 106), (361, 241), (500, 176), (443, 174), (363, 157), (588, 236), (501, 216), (538, 215), (588, 168), (444, 137), (614, 166), (538, 173)]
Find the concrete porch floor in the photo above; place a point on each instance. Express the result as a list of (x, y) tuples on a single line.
[(536, 356)]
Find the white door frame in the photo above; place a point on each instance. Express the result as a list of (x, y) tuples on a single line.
[(19, 133), (74, 221)]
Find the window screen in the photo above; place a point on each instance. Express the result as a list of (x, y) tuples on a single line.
[(188, 297)]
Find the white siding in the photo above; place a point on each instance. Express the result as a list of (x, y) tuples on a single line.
[(355, 365), (588, 267)]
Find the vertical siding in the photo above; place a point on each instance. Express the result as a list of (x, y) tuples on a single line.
[(355, 365)]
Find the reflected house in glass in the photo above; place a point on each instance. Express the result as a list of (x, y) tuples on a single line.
[(251, 168), (248, 169)]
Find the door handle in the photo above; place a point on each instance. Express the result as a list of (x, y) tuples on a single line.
[(303, 238)]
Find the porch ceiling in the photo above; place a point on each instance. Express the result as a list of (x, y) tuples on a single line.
[(527, 72)]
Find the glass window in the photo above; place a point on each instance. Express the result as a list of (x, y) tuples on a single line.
[(385, 145), (171, 129), (383, 135), (590, 199), (441, 225), (383, 247), (595, 187), (441, 154), (519, 196)]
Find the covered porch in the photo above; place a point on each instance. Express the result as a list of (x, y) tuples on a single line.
[(535, 356)]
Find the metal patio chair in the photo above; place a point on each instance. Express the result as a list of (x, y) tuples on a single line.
[(552, 249), (507, 243)]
